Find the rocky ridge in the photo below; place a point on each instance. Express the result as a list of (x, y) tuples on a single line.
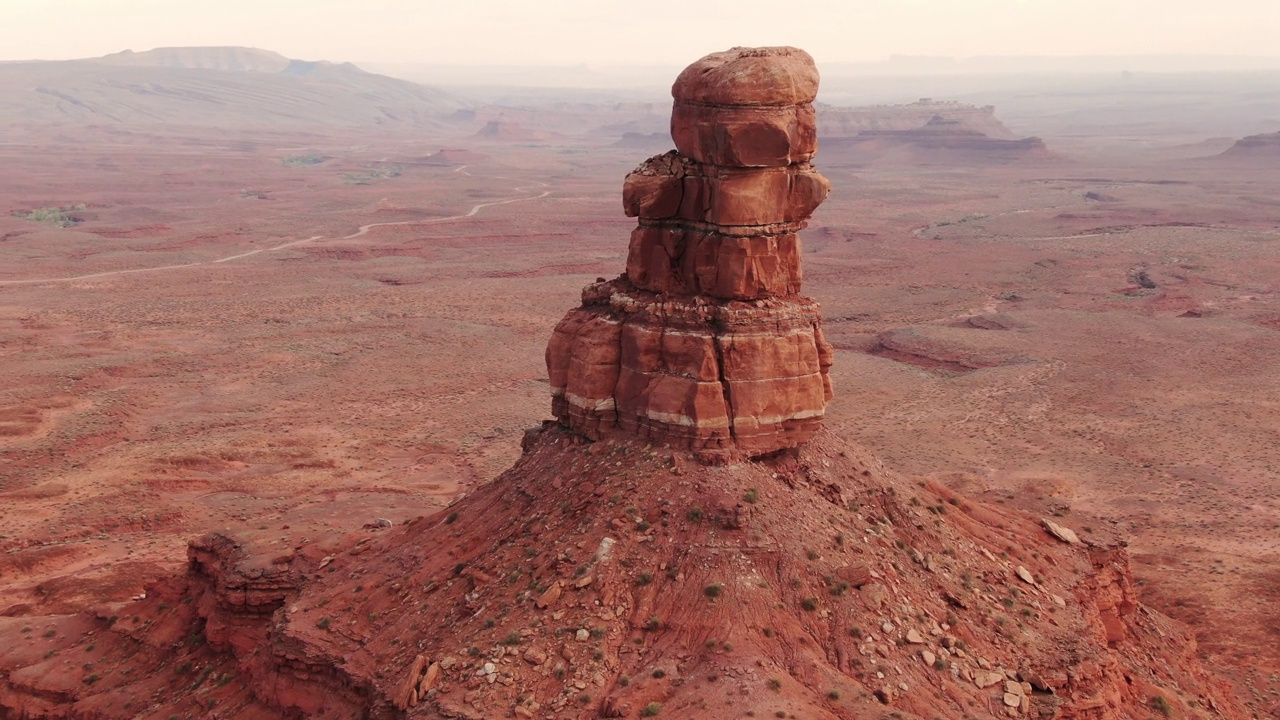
[(1265, 145), (850, 121)]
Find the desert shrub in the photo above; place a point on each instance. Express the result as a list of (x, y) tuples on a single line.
[(371, 175), (302, 160), (1160, 705), (55, 216), (651, 710), (713, 590)]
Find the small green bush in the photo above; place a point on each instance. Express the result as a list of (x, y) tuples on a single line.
[(303, 160), (55, 216), (372, 175)]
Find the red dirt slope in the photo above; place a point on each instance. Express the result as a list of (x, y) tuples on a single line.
[(613, 580)]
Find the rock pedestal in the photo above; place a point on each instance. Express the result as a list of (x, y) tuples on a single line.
[(705, 343)]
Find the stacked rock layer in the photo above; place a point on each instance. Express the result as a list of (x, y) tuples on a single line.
[(705, 342)]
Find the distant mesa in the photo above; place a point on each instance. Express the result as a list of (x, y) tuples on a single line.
[(595, 118), (1255, 146), (226, 87), (644, 141), (231, 59), (923, 133), (850, 121), (506, 131)]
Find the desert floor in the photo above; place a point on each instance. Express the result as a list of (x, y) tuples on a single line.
[(230, 340)]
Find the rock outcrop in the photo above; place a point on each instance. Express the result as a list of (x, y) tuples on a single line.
[(850, 121), (705, 342), (1266, 145), (940, 141)]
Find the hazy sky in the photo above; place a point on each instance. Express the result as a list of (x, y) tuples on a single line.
[(660, 32)]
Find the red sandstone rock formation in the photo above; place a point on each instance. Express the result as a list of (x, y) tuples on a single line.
[(705, 342)]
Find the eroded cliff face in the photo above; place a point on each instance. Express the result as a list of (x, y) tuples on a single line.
[(705, 343)]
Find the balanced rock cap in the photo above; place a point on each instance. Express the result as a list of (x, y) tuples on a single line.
[(750, 76)]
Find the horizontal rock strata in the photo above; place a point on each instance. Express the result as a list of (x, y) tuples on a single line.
[(710, 376)]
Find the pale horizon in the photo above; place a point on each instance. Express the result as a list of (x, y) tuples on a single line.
[(574, 33)]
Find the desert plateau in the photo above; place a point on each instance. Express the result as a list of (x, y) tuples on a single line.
[(329, 394)]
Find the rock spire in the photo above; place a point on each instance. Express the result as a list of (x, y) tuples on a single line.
[(705, 342)]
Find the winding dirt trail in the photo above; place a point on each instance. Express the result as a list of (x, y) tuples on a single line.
[(475, 209)]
